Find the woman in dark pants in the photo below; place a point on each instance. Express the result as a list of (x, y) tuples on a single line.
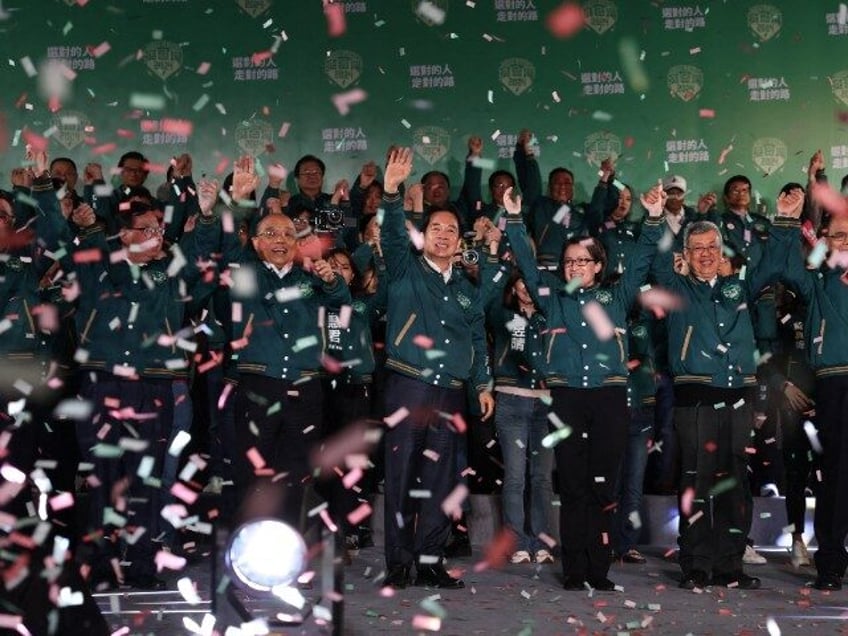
[(587, 374)]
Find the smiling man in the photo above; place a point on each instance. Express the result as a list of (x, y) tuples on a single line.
[(711, 358), (435, 343), (278, 349)]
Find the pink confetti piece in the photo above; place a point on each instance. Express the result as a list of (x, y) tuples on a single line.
[(104, 149), (351, 478), (425, 342), (259, 57), (566, 20), (452, 505), (100, 50), (459, 423), (335, 14), (168, 560), (706, 113), (225, 393), (598, 320), (343, 101), (177, 127), (284, 130), (255, 458), (183, 492), (62, 501), (397, 417), (203, 69), (344, 316), (359, 514), (427, 623), (325, 517), (686, 500), (724, 153)]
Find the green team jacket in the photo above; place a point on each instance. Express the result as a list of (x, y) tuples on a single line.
[(576, 357), (435, 330), (826, 295)]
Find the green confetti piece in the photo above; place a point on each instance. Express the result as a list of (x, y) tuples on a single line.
[(429, 604), (107, 451), (147, 101), (26, 199), (573, 285), (274, 408), (723, 486), (552, 439), (547, 400), (67, 28), (201, 102), (432, 354), (304, 343), (112, 518)]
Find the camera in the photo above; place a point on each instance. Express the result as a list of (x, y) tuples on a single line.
[(470, 257), (328, 218)]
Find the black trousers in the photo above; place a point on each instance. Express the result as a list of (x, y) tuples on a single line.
[(124, 409), (278, 424), (408, 469), (798, 463), (588, 463), (831, 518), (713, 466)]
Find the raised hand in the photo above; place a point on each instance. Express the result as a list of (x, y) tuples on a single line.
[(413, 200), (182, 165), (41, 162), (83, 215), (512, 205), (791, 204), (367, 174), (654, 200), (816, 165), (525, 141), (276, 175), (322, 270), (245, 179), (91, 173), (398, 169), (207, 194), (607, 169), (341, 192), (706, 202)]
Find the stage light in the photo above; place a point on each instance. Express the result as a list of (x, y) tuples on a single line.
[(264, 554)]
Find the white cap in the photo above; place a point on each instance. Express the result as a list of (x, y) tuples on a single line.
[(674, 181)]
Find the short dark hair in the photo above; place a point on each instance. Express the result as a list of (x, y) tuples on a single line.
[(132, 154), (66, 160), (135, 208), (429, 215), (307, 159), (559, 170), (434, 173), (363, 222), (789, 187), (500, 173), (737, 178)]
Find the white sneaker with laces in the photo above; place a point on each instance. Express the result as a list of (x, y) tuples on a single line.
[(520, 556), (543, 556), (752, 557), (800, 556)]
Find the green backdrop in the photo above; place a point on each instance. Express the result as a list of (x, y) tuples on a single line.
[(701, 89)]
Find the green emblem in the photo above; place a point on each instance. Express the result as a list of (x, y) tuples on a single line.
[(359, 307), (463, 300), (604, 296), (732, 291)]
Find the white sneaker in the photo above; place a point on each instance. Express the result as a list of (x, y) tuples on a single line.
[(543, 556), (520, 556), (800, 556), (752, 557)]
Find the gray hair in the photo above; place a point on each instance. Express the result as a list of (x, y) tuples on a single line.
[(701, 227)]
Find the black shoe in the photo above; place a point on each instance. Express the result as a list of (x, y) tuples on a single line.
[(145, 582), (397, 577), (602, 585), (694, 579), (437, 576), (458, 546), (828, 582), (574, 583), (737, 579)]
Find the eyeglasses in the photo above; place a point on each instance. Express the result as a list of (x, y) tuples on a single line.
[(133, 170), (735, 191), (272, 234), (148, 232), (674, 195), (6, 218), (839, 237), (577, 262), (309, 173), (703, 249)]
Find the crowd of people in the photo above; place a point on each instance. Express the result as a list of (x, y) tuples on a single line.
[(201, 337)]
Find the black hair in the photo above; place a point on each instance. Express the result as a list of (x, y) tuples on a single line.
[(593, 246), (132, 154), (559, 170), (307, 159), (432, 173), (737, 178), (363, 222), (500, 173), (429, 215), (66, 160), (789, 187)]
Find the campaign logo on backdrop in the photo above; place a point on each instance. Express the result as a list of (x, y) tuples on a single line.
[(685, 81), (765, 21), (254, 8), (163, 57), (343, 67), (769, 153), (70, 128), (517, 74), (839, 86), (600, 15), (432, 143), (355, 6), (254, 136), (839, 156), (601, 145), (430, 12)]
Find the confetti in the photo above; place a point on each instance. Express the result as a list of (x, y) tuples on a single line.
[(168, 560), (343, 101), (599, 320), (566, 20)]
